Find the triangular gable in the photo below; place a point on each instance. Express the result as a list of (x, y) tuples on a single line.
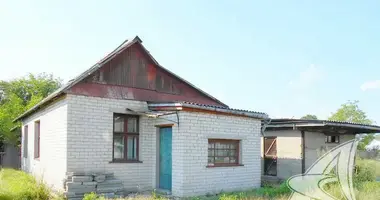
[(131, 72), (78, 84)]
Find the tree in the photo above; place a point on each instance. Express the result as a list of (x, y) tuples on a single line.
[(18, 95), (366, 140), (309, 116), (350, 112)]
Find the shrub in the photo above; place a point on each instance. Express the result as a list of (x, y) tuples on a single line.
[(93, 196), (18, 185), (364, 171)]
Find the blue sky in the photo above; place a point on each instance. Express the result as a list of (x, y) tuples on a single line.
[(286, 58)]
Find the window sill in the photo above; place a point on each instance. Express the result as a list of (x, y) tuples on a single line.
[(125, 161), (216, 166)]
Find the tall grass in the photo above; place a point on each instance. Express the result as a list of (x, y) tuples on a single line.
[(18, 185)]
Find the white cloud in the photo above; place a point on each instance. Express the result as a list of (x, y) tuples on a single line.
[(307, 77), (370, 85)]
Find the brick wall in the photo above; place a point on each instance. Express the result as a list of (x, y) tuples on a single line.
[(190, 151), (90, 133), (51, 166), (80, 129)]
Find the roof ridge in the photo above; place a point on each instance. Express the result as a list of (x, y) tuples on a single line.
[(124, 45)]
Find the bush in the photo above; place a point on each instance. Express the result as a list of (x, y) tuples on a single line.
[(18, 185), (364, 171), (93, 196)]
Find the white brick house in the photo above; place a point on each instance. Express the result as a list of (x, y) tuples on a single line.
[(129, 116)]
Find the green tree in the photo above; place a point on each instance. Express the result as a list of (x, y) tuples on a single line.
[(350, 112), (309, 116), (366, 140), (18, 95)]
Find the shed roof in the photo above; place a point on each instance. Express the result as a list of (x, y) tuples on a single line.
[(220, 109), (326, 126), (123, 46)]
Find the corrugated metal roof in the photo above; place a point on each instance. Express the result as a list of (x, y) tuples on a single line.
[(287, 120), (127, 43), (254, 114), (314, 123)]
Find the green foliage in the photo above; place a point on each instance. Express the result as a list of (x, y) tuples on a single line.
[(18, 185), (310, 117), (93, 196), (365, 141), (364, 171), (18, 95), (351, 112), (272, 191)]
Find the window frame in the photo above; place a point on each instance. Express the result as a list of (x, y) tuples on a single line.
[(25, 142), (337, 139), (228, 141), (37, 139), (126, 135)]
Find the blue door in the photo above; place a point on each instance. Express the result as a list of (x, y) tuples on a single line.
[(165, 166)]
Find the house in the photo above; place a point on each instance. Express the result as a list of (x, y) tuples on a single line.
[(129, 116), (291, 146)]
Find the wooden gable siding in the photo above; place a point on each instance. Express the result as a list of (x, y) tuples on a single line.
[(132, 75)]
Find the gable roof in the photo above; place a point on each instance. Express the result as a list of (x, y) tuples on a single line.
[(123, 46)]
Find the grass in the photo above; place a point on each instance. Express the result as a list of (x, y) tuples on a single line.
[(18, 185)]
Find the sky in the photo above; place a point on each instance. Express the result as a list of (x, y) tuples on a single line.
[(285, 58)]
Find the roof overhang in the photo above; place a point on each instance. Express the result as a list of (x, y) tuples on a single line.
[(324, 126), (201, 107)]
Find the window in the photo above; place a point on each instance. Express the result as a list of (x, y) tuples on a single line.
[(125, 138), (37, 139), (25, 142), (332, 139), (223, 152)]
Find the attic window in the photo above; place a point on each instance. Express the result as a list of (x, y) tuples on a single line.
[(332, 139)]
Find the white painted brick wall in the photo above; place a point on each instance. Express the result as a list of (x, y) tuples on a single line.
[(190, 151), (76, 135), (53, 144), (90, 133)]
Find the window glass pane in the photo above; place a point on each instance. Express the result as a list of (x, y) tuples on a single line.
[(233, 146), (118, 147), (233, 160), (132, 125), (210, 145), (222, 160), (210, 159), (210, 152), (118, 124), (221, 152), (132, 148), (232, 153)]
